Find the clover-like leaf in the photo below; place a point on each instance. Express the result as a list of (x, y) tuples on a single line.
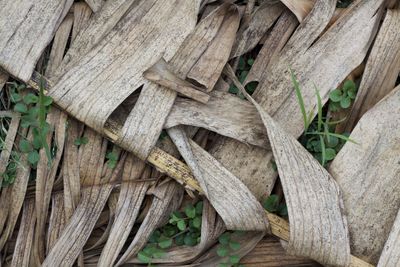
[(190, 211), (335, 95), (31, 99), (165, 242), (25, 146), (181, 225), (33, 157), (234, 259), (345, 102), (330, 154), (224, 238), (21, 108), (222, 251), (271, 203), (234, 245)]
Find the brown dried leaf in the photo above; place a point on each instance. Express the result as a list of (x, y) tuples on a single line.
[(169, 199), (161, 74), (30, 28), (381, 70), (233, 201), (300, 8), (318, 227), (155, 102), (22, 251), (371, 204), (390, 256), (249, 35), (225, 114)]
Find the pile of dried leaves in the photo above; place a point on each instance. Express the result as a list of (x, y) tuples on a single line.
[(150, 132)]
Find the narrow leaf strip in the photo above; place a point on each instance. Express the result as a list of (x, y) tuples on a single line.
[(30, 28), (390, 256), (371, 204), (318, 227), (381, 70), (22, 251), (225, 114), (167, 199), (232, 200), (130, 198), (161, 74)]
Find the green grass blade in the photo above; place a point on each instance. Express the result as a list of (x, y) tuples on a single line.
[(340, 136), (42, 121), (323, 151), (300, 99), (319, 105)]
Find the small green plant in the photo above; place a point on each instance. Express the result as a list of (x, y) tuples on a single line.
[(33, 109), (273, 205), (227, 247), (242, 72), (81, 141), (319, 137), (182, 229), (112, 159), (341, 98)]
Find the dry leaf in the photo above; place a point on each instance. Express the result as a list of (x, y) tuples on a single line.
[(161, 74), (22, 251), (170, 199), (95, 5), (381, 70), (390, 256), (318, 227), (130, 198), (144, 123), (30, 28), (300, 8), (249, 35), (233, 201), (371, 204), (225, 114)]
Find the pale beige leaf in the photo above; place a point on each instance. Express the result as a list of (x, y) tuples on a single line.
[(270, 252), (390, 256), (99, 25), (300, 8), (56, 220), (115, 65), (371, 204), (95, 5), (381, 70), (318, 226), (22, 251), (275, 41), (13, 198), (161, 74), (261, 20), (8, 144), (45, 176), (208, 68), (30, 28), (212, 227), (3, 79), (168, 199), (225, 114), (130, 198), (82, 13), (233, 201), (59, 45), (144, 123)]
